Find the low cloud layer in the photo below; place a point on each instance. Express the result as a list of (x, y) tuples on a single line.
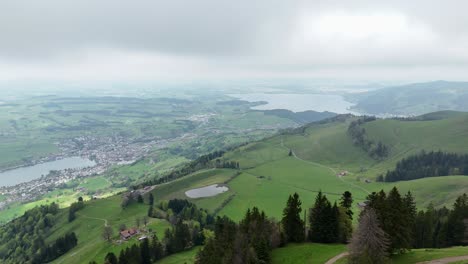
[(133, 40)]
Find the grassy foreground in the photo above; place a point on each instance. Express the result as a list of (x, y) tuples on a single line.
[(307, 253)]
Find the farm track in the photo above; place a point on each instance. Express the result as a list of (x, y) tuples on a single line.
[(445, 260), (337, 257), (94, 218)]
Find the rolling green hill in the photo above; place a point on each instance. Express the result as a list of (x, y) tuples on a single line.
[(268, 174)]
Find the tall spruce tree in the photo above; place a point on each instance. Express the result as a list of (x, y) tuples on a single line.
[(293, 225), (111, 259), (397, 222), (151, 199), (347, 202), (324, 221), (410, 211), (145, 252)]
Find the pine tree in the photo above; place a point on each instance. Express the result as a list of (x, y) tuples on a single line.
[(151, 200), (369, 244), (396, 225), (324, 221), (156, 249), (150, 211), (123, 257), (293, 225), (145, 252), (110, 258), (347, 202), (139, 198), (409, 210)]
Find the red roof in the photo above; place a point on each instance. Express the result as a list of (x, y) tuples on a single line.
[(128, 233)]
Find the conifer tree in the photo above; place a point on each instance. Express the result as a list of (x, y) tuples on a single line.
[(293, 225), (397, 222), (347, 202), (110, 258), (151, 199), (145, 252), (323, 219)]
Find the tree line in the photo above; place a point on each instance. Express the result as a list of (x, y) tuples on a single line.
[(377, 150), (255, 236), (427, 164), (74, 207), (437, 228), (61, 246)]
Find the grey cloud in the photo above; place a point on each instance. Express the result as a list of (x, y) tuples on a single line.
[(228, 34)]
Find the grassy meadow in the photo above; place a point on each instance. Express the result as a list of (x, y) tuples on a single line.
[(268, 175)]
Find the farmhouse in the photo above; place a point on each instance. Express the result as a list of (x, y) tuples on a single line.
[(128, 233)]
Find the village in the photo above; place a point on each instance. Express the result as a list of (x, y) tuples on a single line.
[(104, 151)]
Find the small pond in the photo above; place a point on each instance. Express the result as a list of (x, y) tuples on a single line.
[(206, 191)]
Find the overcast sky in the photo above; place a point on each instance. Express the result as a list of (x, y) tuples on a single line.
[(206, 39)]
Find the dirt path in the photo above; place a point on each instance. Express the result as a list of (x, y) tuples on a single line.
[(102, 219), (445, 260), (336, 258)]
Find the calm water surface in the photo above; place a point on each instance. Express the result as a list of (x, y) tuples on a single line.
[(299, 102), (24, 174), (206, 191)]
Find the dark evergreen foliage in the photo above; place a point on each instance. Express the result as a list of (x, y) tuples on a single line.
[(249, 242), (22, 238), (428, 164), (293, 225), (396, 216), (347, 203), (61, 246), (74, 207), (376, 150), (329, 224)]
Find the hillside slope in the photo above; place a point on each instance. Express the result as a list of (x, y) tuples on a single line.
[(305, 160)]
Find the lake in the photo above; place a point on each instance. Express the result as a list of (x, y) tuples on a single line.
[(25, 174), (299, 102), (206, 191)]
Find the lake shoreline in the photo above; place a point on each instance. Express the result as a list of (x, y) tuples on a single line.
[(298, 102), (85, 160)]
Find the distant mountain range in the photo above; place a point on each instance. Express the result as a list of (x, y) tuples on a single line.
[(413, 99)]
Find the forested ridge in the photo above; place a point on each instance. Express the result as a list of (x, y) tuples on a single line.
[(428, 164)]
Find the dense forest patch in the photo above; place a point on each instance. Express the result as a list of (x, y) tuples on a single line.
[(428, 164)]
